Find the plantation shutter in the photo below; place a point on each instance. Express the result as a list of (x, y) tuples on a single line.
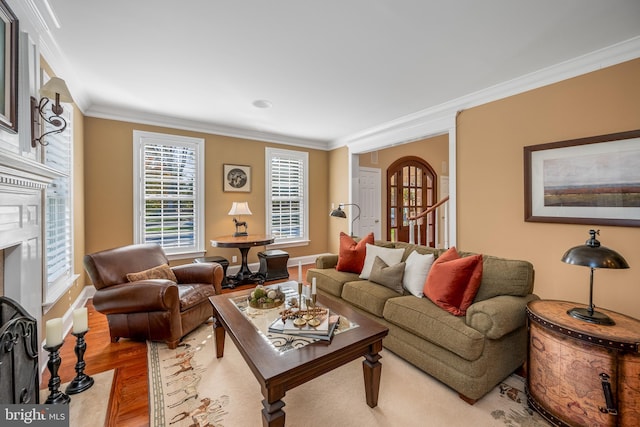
[(287, 183), (58, 231), (170, 188)]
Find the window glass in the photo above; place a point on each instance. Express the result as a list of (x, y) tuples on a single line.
[(169, 193), (287, 195)]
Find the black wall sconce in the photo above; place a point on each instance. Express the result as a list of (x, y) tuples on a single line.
[(57, 89)]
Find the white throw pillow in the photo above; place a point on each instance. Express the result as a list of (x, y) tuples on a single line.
[(389, 255), (416, 269)]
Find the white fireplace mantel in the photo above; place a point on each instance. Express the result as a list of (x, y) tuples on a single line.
[(22, 184)]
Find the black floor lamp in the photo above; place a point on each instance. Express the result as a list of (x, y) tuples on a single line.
[(340, 213)]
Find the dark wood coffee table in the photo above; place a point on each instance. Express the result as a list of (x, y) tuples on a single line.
[(279, 372)]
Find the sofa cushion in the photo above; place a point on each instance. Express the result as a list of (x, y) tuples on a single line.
[(505, 277), (329, 280), (389, 276), (390, 256), (367, 296), (423, 318), (416, 269), (453, 282), (162, 271), (352, 253)]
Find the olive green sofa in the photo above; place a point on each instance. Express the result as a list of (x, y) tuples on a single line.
[(471, 353)]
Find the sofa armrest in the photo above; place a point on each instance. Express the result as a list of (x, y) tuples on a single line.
[(139, 296), (495, 317), (327, 261), (205, 272)]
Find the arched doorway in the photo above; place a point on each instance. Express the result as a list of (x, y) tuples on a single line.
[(411, 189)]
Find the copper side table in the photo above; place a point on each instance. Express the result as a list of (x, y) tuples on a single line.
[(581, 373)]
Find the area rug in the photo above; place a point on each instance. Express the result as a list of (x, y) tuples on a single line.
[(188, 386), (89, 408)]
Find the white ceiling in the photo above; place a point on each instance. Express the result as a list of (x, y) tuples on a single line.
[(331, 69)]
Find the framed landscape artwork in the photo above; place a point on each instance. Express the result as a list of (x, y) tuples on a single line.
[(8, 68), (236, 178), (593, 180)]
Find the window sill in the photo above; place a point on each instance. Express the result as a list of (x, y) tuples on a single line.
[(56, 292), (289, 244), (185, 255)]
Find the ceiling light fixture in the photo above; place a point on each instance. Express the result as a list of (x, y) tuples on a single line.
[(54, 88), (262, 103)]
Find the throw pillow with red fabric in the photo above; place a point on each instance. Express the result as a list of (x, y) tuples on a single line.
[(453, 282), (352, 254)]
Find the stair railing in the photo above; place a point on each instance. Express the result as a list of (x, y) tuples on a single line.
[(414, 219)]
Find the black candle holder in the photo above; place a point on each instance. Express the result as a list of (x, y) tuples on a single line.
[(55, 395), (82, 381)]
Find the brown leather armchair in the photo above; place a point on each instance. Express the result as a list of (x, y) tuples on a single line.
[(151, 309)]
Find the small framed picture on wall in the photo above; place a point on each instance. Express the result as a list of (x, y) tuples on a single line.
[(236, 178)]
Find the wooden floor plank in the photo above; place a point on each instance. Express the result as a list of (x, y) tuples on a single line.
[(129, 399)]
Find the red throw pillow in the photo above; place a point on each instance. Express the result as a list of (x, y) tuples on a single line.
[(352, 254), (453, 282)]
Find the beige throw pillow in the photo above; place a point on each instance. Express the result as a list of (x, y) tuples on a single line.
[(160, 272), (389, 276), (390, 256)]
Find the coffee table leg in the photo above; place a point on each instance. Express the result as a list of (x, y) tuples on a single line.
[(272, 404), (372, 369), (218, 330)]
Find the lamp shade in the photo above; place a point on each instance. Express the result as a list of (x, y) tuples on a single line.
[(54, 86), (240, 208), (339, 213), (593, 255)]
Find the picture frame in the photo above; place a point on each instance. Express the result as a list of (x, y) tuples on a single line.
[(594, 180), (236, 178), (8, 68)]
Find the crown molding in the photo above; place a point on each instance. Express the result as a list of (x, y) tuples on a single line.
[(432, 121), (133, 116), (439, 119)]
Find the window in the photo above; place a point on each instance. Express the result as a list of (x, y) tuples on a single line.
[(169, 192), (58, 240), (287, 192)]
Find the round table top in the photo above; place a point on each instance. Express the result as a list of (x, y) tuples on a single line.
[(242, 241)]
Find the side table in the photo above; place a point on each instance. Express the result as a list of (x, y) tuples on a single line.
[(580, 373)]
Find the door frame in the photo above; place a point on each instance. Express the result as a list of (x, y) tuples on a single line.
[(382, 140)]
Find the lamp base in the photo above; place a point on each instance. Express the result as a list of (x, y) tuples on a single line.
[(590, 316)]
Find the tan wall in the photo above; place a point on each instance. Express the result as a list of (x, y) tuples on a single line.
[(109, 187), (434, 151), (490, 184), (338, 193)]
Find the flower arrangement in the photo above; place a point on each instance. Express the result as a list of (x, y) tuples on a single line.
[(265, 298)]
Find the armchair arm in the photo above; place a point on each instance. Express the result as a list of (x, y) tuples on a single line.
[(206, 272), (139, 296), (327, 261), (497, 316)]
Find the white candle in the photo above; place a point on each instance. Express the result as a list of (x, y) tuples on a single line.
[(299, 271), (313, 286), (54, 332), (80, 320)]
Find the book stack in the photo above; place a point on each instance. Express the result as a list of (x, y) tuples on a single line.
[(324, 331)]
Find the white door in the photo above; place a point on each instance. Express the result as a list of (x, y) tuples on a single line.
[(370, 197)]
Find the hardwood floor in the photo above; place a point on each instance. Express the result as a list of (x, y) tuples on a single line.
[(128, 403)]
